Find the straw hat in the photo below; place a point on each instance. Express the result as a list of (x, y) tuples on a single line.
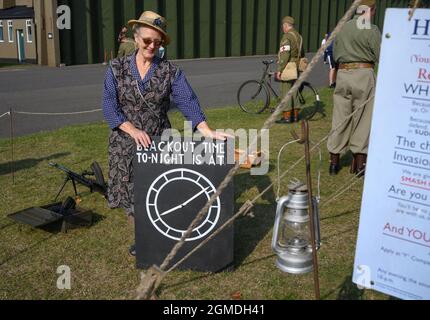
[(155, 21)]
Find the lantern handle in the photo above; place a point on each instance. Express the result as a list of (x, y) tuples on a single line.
[(305, 133), (279, 212), (279, 167)]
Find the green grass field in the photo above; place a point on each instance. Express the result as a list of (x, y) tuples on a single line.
[(98, 255)]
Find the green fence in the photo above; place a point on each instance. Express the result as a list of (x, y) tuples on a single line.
[(202, 28)]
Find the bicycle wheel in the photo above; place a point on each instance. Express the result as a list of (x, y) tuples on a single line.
[(310, 101), (253, 97)]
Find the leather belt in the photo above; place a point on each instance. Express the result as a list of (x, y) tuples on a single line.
[(356, 65)]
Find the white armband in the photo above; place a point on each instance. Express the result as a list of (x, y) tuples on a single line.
[(285, 48)]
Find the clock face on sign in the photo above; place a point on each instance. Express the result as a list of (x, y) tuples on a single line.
[(174, 200)]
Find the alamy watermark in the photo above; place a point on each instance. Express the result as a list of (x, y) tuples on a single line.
[(193, 149), (64, 281), (365, 19), (64, 20)]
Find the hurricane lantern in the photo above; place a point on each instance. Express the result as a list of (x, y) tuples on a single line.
[(291, 235)]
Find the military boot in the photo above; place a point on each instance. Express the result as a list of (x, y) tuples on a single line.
[(360, 164), (334, 164)]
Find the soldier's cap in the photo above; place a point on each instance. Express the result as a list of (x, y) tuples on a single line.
[(369, 3), (154, 21), (289, 20)]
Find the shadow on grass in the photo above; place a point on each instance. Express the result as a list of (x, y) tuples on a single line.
[(56, 227), (7, 225), (313, 112), (325, 238), (346, 160), (348, 290), (23, 251), (207, 275), (339, 215), (250, 231), (5, 168), (52, 228)]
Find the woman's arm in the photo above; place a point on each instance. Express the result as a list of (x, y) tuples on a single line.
[(114, 116), (111, 111)]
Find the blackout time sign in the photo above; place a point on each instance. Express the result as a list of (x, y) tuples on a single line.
[(173, 180)]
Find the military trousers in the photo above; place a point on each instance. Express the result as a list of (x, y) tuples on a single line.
[(354, 92), (294, 103)]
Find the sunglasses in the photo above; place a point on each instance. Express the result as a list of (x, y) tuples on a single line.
[(148, 41)]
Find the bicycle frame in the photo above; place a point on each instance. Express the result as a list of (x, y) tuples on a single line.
[(266, 80), (265, 84)]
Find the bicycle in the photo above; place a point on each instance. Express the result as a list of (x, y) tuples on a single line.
[(255, 96)]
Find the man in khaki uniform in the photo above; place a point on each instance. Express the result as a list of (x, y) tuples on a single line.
[(356, 51), (291, 50), (127, 46)]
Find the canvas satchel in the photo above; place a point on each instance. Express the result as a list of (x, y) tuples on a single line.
[(290, 72)]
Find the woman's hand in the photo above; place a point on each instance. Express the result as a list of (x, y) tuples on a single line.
[(140, 137), (209, 133)]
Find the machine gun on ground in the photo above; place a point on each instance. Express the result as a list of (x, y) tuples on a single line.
[(97, 185)]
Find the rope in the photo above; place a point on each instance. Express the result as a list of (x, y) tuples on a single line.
[(344, 188), (152, 287), (242, 211), (412, 12), (5, 114), (56, 114)]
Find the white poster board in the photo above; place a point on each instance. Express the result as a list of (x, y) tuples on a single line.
[(393, 247)]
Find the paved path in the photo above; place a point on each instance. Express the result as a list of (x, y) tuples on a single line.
[(79, 88)]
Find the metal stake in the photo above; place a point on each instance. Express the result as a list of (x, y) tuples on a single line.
[(305, 140)]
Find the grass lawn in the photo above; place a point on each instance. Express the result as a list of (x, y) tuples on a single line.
[(98, 257)]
